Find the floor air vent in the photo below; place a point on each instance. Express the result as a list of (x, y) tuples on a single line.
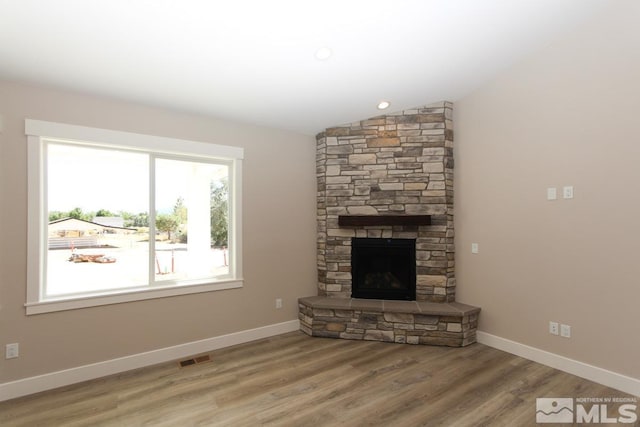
[(195, 360)]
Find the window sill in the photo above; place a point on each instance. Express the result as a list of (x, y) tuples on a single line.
[(127, 296)]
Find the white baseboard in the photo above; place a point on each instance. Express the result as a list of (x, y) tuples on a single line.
[(593, 373), (52, 380)]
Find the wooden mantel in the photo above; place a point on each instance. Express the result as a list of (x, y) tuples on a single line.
[(372, 220)]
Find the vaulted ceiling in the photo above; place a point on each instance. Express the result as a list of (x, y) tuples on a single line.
[(255, 61)]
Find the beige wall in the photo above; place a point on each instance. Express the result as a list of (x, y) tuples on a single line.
[(279, 239), (569, 115)]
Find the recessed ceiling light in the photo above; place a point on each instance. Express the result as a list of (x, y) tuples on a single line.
[(323, 53), (383, 105)]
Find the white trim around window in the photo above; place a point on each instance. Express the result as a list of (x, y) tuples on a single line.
[(39, 132)]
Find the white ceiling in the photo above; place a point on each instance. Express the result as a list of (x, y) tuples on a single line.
[(253, 60)]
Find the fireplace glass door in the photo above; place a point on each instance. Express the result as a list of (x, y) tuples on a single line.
[(383, 268)]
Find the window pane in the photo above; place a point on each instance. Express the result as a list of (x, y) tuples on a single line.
[(192, 205), (98, 228)]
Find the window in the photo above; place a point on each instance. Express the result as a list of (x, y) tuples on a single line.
[(117, 217)]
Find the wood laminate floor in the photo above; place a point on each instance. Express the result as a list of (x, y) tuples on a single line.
[(296, 380)]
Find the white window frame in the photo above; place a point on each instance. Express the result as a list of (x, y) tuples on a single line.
[(38, 131)]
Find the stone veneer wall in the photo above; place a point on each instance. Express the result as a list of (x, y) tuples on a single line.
[(399, 163)]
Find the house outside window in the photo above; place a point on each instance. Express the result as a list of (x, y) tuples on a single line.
[(116, 217)]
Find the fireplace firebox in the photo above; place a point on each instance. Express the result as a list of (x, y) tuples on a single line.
[(383, 268)]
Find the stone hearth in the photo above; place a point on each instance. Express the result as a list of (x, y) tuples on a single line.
[(411, 322), (388, 177)]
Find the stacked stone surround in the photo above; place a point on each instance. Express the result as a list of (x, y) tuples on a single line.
[(399, 164), (396, 164), (410, 322)]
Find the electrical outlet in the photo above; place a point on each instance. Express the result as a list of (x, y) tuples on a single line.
[(278, 302), (474, 248), (11, 351), (567, 192), (553, 328), (565, 331)]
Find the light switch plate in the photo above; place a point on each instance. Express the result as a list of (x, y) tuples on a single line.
[(12, 351), (552, 194)]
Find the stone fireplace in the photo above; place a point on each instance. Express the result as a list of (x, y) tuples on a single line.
[(382, 180), (398, 165)]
